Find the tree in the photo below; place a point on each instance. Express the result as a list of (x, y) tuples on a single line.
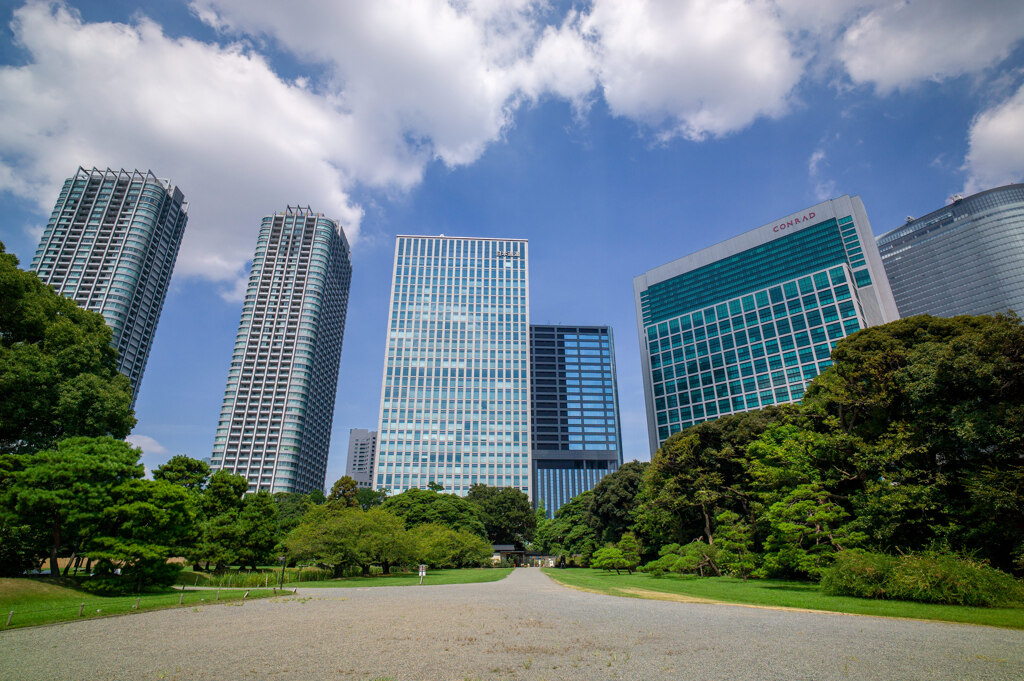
[(697, 474), (442, 547), (611, 508), (291, 506), (568, 533), (694, 557), (324, 536), (608, 558), (224, 493), (192, 474), (506, 512), (416, 506), (58, 369), (219, 529), (735, 541), (344, 492), (936, 409), (143, 527), (382, 540), (630, 549), (368, 498), (257, 529), (347, 537), (64, 491)]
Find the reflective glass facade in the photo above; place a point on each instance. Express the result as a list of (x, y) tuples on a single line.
[(965, 258), (275, 421), (110, 244), (575, 408), (456, 387), (749, 322)]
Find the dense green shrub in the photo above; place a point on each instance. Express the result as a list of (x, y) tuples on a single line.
[(942, 578), (858, 573), (926, 578)]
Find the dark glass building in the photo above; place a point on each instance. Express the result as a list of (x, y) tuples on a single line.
[(964, 258), (576, 439)]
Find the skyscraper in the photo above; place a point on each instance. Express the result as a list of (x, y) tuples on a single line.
[(455, 397), (110, 245), (575, 409), (750, 321), (964, 258), (362, 451), (275, 422)]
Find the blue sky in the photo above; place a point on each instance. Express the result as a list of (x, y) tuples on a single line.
[(615, 135)]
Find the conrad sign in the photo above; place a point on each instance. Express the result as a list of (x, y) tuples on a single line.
[(782, 226)]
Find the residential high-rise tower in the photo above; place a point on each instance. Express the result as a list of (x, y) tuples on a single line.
[(575, 411), (455, 393), (362, 450), (964, 258), (750, 321), (110, 245), (275, 422)]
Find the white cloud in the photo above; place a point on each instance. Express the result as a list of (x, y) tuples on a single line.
[(823, 188), (217, 120), (706, 67), (393, 84), (996, 145), (902, 43), (148, 445)]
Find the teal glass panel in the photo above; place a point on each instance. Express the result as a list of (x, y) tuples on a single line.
[(810, 249)]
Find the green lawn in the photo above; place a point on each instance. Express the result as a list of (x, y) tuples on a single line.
[(36, 601), (434, 577), (778, 593)]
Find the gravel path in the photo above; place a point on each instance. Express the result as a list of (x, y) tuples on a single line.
[(523, 627)]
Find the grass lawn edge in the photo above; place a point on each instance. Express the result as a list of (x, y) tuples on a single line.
[(643, 594), (235, 601)]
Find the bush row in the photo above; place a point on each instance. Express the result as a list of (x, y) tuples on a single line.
[(929, 577)]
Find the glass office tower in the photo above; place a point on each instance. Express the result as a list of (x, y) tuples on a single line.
[(575, 409), (110, 245), (455, 397), (275, 421), (964, 258), (750, 321)]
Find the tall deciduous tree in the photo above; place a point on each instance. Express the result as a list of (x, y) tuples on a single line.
[(615, 497), (568, 533), (416, 506), (58, 369), (506, 512), (65, 491)]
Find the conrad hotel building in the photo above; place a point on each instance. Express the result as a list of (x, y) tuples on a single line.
[(750, 321), (455, 397)]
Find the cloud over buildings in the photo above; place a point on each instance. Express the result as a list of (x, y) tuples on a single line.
[(394, 85)]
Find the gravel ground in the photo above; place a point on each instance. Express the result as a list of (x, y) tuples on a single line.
[(523, 627)]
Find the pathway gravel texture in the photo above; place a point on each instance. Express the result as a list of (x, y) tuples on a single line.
[(523, 627)]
